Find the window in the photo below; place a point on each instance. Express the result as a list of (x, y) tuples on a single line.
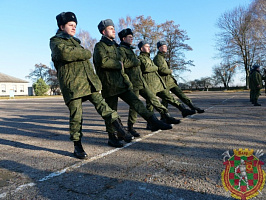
[(3, 88), (21, 88), (14, 88)]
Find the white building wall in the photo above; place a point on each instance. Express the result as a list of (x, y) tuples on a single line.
[(13, 89)]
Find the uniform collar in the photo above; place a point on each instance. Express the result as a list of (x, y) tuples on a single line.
[(108, 42), (145, 54), (161, 53), (126, 45), (62, 34)]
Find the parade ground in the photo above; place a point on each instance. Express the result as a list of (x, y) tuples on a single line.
[(184, 163)]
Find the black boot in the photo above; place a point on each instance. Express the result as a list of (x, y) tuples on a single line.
[(157, 124), (193, 107), (166, 118), (122, 133), (79, 151), (148, 127), (256, 103), (132, 130), (113, 141), (185, 112)]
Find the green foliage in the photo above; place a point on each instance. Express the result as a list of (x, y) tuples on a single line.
[(40, 87)]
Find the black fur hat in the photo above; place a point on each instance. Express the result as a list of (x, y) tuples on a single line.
[(161, 43), (104, 23), (124, 33), (255, 67), (65, 17), (142, 43)]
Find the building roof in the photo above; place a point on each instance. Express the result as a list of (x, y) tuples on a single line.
[(10, 79)]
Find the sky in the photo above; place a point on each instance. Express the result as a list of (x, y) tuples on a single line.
[(27, 26)]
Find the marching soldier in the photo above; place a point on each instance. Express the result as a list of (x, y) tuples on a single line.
[(110, 69), (166, 73), (132, 68), (154, 80), (79, 83), (255, 84)]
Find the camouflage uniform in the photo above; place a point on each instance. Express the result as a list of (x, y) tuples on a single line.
[(166, 73), (116, 83), (255, 85), (154, 81), (77, 80), (132, 69)]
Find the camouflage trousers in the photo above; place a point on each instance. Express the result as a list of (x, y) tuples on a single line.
[(75, 109), (133, 101), (180, 94), (151, 98), (254, 95), (165, 96)]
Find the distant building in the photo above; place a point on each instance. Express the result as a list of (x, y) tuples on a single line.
[(11, 86)]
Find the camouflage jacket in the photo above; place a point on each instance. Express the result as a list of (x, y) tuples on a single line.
[(74, 70), (106, 59), (150, 73), (132, 66), (255, 80), (164, 70)]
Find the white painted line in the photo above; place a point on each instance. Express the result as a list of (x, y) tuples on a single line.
[(191, 116), (75, 166)]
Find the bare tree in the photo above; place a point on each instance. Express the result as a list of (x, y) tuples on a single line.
[(128, 22), (40, 71), (86, 40), (123, 24), (147, 29), (52, 80), (237, 39), (258, 12), (175, 38), (223, 74)]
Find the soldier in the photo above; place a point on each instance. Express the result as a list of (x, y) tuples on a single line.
[(79, 83), (110, 69), (255, 84), (166, 73), (155, 82), (132, 68)]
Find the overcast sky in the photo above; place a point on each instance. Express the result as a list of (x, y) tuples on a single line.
[(26, 27)]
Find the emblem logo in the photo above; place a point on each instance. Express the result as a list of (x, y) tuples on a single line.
[(243, 176)]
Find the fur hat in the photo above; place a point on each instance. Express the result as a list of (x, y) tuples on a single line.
[(142, 43), (125, 33), (255, 67), (65, 17), (161, 43), (104, 23)]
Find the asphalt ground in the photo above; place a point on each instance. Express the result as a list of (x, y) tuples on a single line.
[(185, 163)]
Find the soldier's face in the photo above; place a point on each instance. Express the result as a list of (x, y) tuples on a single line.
[(109, 32), (128, 39), (146, 48), (69, 28), (163, 48)]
